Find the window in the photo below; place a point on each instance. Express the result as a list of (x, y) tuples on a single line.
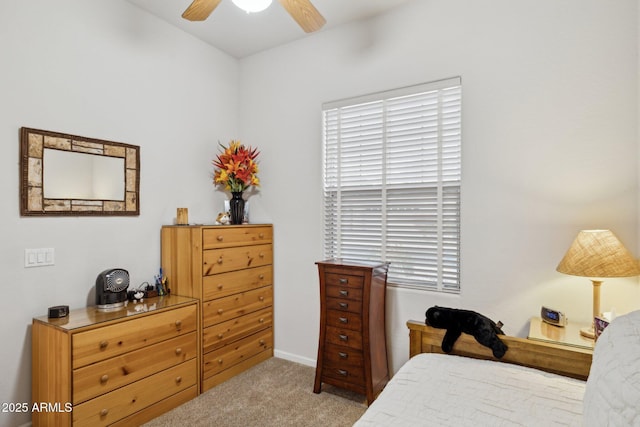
[(392, 182)]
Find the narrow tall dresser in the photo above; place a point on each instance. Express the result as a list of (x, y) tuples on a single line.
[(352, 350), (117, 368), (230, 270)]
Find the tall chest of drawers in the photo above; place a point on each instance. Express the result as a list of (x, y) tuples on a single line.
[(230, 270), (119, 368), (352, 350)]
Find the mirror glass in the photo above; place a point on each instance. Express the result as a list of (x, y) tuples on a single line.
[(64, 174), (82, 176)]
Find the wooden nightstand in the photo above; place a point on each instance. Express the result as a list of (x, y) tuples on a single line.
[(567, 335)]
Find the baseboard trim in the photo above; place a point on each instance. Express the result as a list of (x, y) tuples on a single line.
[(294, 358)]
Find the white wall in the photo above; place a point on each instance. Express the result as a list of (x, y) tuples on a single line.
[(549, 147), (107, 70)]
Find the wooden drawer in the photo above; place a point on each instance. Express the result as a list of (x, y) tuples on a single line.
[(226, 357), (215, 261), (223, 309), (224, 333), (111, 407), (109, 341), (158, 408), (345, 337), (344, 293), (348, 373), (344, 319), (342, 304), (102, 377), (222, 285), (338, 279), (235, 236), (343, 355)]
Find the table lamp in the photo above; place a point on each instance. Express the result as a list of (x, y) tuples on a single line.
[(598, 254)]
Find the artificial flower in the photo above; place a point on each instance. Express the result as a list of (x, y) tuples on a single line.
[(236, 167)]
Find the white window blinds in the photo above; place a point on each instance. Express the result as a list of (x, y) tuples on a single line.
[(392, 182)]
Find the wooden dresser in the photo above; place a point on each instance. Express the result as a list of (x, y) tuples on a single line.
[(120, 368), (352, 352), (229, 269)]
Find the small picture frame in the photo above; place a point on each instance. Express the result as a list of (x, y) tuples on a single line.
[(599, 325), (245, 218)]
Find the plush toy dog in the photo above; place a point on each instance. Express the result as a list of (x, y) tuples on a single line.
[(455, 321)]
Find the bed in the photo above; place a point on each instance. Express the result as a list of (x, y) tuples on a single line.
[(534, 384)]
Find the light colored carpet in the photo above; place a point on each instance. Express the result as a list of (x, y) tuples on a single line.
[(274, 393)]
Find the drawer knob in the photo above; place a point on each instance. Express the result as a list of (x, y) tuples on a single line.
[(220, 238), (220, 336), (178, 380), (261, 320), (344, 305), (220, 260), (261, 277), (178, 351), (342, 372), (344, 281), (178, 324), (343, 320), (104, 378), (344, 293), (343, 337), (220, 311), (104, 412), (220, 361), (261, 298), (261, 342), (261, 235), (261, 255), (103, 344), (342, 355), (220, 286)]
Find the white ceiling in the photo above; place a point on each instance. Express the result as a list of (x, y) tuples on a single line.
[(240, 34)]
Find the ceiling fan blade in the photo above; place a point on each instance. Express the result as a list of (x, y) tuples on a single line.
[(305, 14), (200, 10)]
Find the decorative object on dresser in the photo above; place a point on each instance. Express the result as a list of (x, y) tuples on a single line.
[(598, 254), (352, 350), (229, 269), (236, 170), (182, 216), (119, 368)]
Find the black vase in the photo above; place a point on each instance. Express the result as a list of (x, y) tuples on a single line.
[(236, 208)]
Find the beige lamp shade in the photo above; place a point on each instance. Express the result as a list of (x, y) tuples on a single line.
[(598, 253)]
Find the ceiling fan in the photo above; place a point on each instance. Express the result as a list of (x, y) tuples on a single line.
[(302, 11)]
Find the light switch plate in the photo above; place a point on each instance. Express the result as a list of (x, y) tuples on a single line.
[(39, 257)]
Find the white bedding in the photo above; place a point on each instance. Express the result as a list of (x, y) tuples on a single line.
[(446, 390), (613, 388)]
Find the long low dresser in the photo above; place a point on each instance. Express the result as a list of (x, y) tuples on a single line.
[(120, 368)]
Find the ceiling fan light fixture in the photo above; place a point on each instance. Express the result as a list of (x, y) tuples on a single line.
[(251, 6)]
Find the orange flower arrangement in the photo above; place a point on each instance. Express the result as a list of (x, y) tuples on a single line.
[(236, 167)]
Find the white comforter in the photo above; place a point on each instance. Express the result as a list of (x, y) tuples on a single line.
[(445, 390), (613, 388)]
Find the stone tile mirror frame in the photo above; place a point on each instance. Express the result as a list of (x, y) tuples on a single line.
[(33, 202)]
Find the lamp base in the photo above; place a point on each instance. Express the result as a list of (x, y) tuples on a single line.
[(588, 332)]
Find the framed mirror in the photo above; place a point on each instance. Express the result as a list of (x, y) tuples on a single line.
[(63, 174)]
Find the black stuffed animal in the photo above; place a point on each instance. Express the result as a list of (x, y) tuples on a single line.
[(456, 321)]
